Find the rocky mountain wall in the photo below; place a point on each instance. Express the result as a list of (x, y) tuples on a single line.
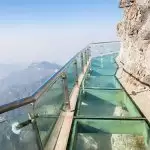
[(134, 56)]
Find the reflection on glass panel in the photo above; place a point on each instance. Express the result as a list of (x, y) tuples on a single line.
[(49, 104), (12, 138), (45, 127), (103, 72), (100, 63), (105, 103), (71, 76), (52, 100), (93, 134), (104, 65), (107, 82), (130, 105), (104, 48)]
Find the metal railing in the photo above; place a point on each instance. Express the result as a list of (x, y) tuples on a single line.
[(104, 48), (36, 115), (33, 118), (51, 81)]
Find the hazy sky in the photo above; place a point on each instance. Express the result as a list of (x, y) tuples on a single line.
[(53, 30)]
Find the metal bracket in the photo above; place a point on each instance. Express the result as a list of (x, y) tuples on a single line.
[(16, 128)]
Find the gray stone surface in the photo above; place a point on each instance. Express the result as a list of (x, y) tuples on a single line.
[(134, 56), (134, 32)]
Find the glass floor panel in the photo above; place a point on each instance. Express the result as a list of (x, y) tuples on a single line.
[(101, 64), (95, 66), (104, 65), (106, 118), (105, 82), (102, 72), (105, 58), (90, 134), (105, 103)]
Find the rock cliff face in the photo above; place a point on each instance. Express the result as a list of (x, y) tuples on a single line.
[(134, 57)]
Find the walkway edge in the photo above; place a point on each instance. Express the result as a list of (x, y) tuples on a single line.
[(66, 127)]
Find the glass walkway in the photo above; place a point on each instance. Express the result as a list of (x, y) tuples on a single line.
[(105, 116)]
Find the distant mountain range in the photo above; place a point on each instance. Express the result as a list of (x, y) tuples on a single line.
[(18, 82)]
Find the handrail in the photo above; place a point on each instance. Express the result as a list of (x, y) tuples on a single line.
[(46, 104), (110, 53), (40, 91), (16, 104), (54, 76), (49, 82), (105, 42)]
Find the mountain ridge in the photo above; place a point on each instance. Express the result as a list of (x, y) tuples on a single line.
[(24, 82)]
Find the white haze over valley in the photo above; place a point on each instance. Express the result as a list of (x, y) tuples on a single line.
[(34, 43)]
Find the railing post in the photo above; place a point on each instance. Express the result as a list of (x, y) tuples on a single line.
[(88, 53), (76, 70), (85, 56), (82, 63), (35, 128), (66, 92), (16, 128)]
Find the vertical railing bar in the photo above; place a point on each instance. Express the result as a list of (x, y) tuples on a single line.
[(76, 70), (82, 63), (85, 56), (35, 128), (89, 53), (66, 92)]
